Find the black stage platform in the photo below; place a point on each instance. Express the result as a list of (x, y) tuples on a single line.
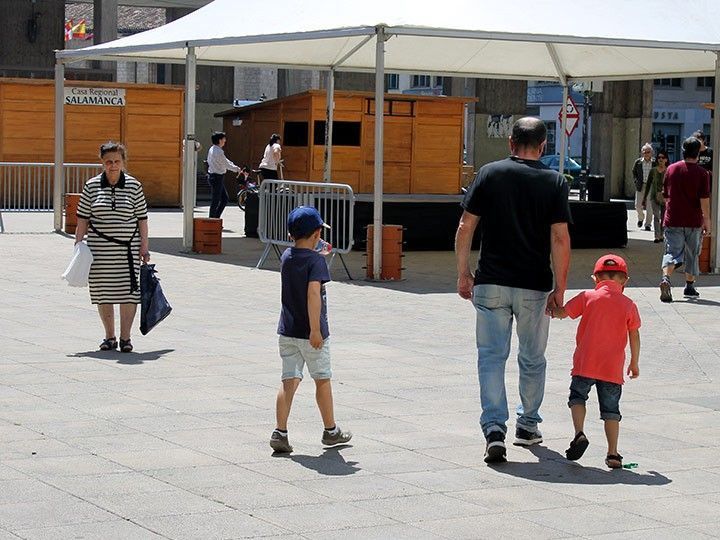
[(430, 222)]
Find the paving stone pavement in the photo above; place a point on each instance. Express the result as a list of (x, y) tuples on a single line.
[(171, 441)]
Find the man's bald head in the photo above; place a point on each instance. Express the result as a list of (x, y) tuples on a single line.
[(528, 133)]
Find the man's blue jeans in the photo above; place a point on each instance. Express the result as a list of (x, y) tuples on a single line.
[(496, 306)]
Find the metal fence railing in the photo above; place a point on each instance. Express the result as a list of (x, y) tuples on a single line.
[(28, 187), (335, 202)]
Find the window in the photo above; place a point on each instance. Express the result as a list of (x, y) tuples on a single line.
[(344, 133), (669, 83), (295, 134), (420, 81), (550, 145), (705, 82), (392, 80), (707, 130), (438, 81)]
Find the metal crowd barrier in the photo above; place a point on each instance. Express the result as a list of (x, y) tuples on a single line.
[(28, 187), (335, 202)]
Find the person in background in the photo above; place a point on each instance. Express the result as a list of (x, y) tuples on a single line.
[(218, 165), (653, 192), (272, 158), (640, 171), (686, 191), (113, 214), (705, 158)]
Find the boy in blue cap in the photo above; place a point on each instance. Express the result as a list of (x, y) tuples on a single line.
[(303, 327)]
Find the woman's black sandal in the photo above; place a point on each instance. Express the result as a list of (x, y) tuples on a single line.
[(125, 345), (577, 447), (109, 344), (614, 461)]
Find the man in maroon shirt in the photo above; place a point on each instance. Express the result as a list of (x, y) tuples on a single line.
[(686, 190)]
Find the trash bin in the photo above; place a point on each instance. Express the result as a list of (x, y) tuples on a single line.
[(596, 188), (391, 252), (72, 201), (252, 211), (207, 235)]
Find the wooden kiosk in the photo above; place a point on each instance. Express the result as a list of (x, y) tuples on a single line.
[(147, 118), (423, 139)]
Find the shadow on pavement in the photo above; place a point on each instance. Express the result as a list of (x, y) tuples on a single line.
[(329, 463), (554, 468), (129, 359)]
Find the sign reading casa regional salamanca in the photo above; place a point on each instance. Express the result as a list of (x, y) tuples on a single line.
[(108, 97)]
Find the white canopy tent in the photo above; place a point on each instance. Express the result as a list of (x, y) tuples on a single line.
[(524, 39)]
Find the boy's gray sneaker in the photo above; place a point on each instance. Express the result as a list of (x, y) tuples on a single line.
[(280, 443), (340, 437), (523, 437)]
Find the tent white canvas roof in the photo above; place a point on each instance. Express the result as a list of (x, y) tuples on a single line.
[(520, 39), (612, 39)]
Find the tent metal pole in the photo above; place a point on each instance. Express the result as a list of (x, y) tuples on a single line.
[(563, 135), (378, 188), (59, 172), (189, 151), (715, 192), (329, 109)]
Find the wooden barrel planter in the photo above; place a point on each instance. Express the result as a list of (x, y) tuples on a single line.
[(391, 252), (72, 201), (207, 236)]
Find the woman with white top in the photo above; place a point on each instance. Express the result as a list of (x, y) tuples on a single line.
[(272, 157)]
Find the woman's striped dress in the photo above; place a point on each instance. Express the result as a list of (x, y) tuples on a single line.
[(113, 213)]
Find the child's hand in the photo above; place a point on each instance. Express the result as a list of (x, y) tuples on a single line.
[(633, 370), (316, 339), (556, 312)]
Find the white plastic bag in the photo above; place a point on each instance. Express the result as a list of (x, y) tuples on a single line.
[(76, 274)]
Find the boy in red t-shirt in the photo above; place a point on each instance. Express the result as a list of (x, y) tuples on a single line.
[(609, 318)]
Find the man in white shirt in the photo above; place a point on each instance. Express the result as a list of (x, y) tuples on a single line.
[(218, 165)]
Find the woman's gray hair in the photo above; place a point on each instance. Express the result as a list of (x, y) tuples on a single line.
[(646, 146)]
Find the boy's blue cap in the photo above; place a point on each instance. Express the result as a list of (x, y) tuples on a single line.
[(303, 220)]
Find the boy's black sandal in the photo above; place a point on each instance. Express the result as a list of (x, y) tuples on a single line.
[(109, 344), (125, 345), (577, 447), (614, 461)]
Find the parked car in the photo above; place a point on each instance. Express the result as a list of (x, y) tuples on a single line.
[(572, 168), (553, 161)]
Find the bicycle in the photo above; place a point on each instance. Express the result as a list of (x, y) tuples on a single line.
[(246, 186)]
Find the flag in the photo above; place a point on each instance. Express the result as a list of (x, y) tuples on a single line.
[(68, 30), (79, 30)]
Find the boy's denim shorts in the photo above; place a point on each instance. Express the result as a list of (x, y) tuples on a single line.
[(296, 352), (608, 395)]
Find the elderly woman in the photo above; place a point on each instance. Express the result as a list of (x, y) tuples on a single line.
[(113, 214), (272, 158)]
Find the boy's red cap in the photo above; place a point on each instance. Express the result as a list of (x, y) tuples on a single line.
[(610, 263)]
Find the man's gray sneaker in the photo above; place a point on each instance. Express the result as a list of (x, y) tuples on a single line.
[(665, 293), (523, 437), (495, 450), (340, 437), (280, 443)]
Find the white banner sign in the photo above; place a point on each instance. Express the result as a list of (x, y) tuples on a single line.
[(107, 97)]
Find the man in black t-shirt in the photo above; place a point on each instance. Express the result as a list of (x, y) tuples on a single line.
[(705, 159), (521, 208)]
